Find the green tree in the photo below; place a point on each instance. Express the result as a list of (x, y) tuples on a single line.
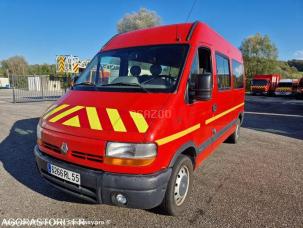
[(260, 56), (16, 65), (144, 18), (297, 63), (42, 69)]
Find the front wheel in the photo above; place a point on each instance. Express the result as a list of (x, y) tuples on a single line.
[(179, 186)]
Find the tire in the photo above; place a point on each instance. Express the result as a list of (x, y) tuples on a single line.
[(234, 137), (181, 176)]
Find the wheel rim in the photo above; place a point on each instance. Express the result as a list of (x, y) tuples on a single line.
[(237, 130), (181, 185)]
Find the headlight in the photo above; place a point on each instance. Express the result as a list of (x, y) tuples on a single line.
[(39, 132), (130, 154)]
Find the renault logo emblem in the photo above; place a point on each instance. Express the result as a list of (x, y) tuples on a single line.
[(64, 148)]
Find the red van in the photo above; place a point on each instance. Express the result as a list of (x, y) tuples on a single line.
[(172, 96)]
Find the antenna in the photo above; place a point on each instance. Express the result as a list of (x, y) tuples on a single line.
[(191, 10)]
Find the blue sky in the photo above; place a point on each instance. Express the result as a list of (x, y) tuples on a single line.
[(39, 30)]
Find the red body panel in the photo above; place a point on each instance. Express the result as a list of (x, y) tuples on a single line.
[(182, 116)]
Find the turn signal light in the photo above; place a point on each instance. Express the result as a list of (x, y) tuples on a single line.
[(128, 161)]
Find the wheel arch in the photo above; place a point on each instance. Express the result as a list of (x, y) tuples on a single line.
[(189, 149)]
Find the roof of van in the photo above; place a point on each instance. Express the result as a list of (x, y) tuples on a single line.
[(185, 33), (286, 80)]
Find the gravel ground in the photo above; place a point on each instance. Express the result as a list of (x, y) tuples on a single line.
[(256, 183)]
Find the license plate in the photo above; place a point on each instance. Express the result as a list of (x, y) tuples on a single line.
[(64, 174)]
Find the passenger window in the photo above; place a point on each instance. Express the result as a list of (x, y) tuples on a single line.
[(238, 74), (204, 61), (201, 64), (223, 72)]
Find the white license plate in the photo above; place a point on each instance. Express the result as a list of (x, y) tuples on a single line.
[(64, 174)]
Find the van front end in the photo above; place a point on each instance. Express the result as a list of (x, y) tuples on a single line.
[(104, 152), (260, 86), (98, 142), (97, 186)]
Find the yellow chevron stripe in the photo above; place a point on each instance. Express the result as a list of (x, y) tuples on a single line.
[(115, 120), (53, 111), (177, 135), (139, 121), (73, 122), (93, 118), (67, 112), (223, 114)]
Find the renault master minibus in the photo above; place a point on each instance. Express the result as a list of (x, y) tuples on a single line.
[(133, 136)]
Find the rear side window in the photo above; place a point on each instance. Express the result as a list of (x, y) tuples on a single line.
[(223, 72), (238, 72)]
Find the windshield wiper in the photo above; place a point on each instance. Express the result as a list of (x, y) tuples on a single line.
[(86, 84), (127, 84)]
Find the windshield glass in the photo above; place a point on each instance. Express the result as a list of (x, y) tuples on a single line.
[(148, 69), (285, 84), (259, 82)]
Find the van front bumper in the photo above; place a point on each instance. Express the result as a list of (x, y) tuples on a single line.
[(141, 191)]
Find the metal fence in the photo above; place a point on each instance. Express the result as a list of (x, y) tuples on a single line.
[(38, 87)]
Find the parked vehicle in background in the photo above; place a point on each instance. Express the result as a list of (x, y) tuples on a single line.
[(299, 93), (107, 141), (265, 84), (285, 87), (4, 83), (295, 84)]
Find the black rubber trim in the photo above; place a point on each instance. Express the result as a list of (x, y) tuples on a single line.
[(211, 140), (191, 30)]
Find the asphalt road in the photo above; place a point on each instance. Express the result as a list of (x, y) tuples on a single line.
[(256, 183)]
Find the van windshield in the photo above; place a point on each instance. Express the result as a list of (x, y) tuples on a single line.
[(259, 82), (285, 84), (146, 69)]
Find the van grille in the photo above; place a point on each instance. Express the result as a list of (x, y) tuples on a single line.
[(51, 147), (85, 156)]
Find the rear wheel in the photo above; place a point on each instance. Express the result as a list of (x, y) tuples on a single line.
[(179, 187), (234, 137)]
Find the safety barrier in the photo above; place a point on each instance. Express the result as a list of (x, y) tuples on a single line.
[(38, 87)]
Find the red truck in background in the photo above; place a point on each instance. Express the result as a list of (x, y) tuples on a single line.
[(265, 84)]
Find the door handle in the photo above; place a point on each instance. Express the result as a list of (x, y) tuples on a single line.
[(214, 107)]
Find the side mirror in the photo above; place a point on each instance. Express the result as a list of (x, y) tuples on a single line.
[(74, 79), (200, 87)]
